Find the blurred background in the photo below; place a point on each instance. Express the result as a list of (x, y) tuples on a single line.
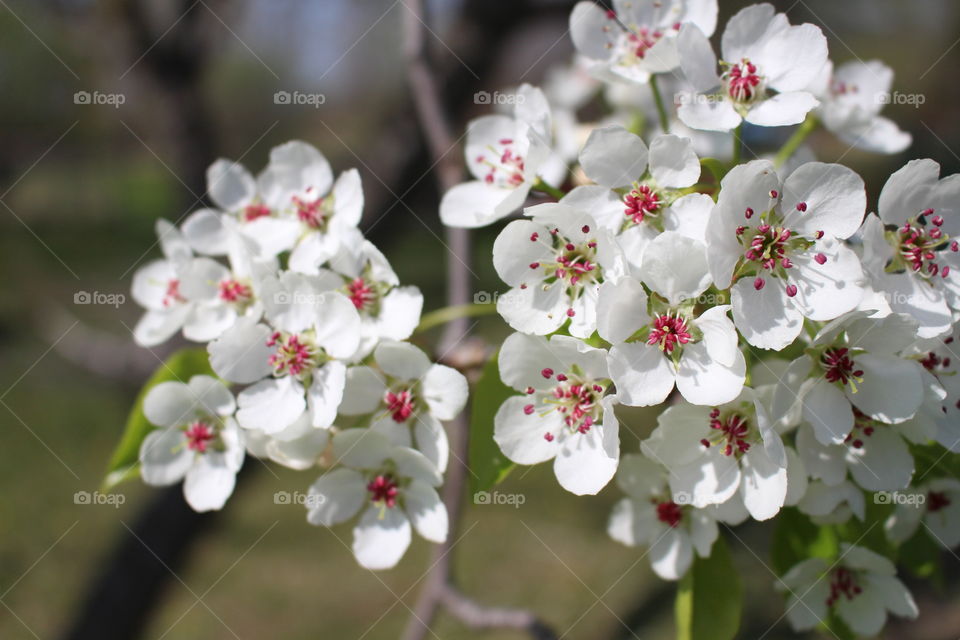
[(170, 86)]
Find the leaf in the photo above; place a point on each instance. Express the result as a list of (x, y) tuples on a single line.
[(487, 463), (796, 538), (709, 597), (124, 462), (921, 555)]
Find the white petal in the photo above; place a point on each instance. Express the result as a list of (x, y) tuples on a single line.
[(764, 484), (521, 244), (325, 393), (363, 391), (164, 457), (537, 309), (643, 375), (835, 200), (208, 484), (883, 463), (169, 404), (892, 389), (445, 390), (697, 59), (381, 538), (782, 109), (205, 232), (336, 497), (676, 267), (474, 204), (613, 157), (230, 185), (587, 462), (155, 327), (708, 113), (828, 411), (361, 448), (211, 395), (673, 162), (712, 479), (827, 291), (621, 309), (431, 441), (402, 360), (520, 436), (241, 354), (426, 511), (271, 405), (765, 318), (704, 381), (671, 554)]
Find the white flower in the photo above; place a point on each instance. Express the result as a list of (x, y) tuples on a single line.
[(555, 264), (851, 98), (762, 53), (910, 251), (221, 294), (506, 156), (781, 247), (714, 453), (564, 413), (638, 37), (299, 446), (396, 484), (294, 204), (939, 416), (296, 362), (650, 517), (156, 287), (387, 310), (660, 340), (861, 587), (408, 398), (198, 441), (853, 371), (832, 503), (875, 454), (646, 199), (939, 511)]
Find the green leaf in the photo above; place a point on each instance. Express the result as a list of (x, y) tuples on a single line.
[(179, 367), (796, 538), (921, 555), (488, 465), (709, 597)]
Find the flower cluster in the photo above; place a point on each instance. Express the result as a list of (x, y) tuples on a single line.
[(800, 344), (308, 319)]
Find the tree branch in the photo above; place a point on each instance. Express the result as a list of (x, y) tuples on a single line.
[(438, 589)]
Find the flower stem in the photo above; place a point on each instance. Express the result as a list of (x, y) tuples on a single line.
[(791, 145), (658, 99), (543, 187), (737, 144), (444, 315)]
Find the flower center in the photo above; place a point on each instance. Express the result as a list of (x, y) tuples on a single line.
[(838, 366), (918, 244), (742, 82), (232, 290), (634, 41), (253, 211), (504, 165), (767, 246), (843, 582), (668, 331), (731, 432), (641, 201), (199, 436), (296, 355), (362, 294), (575, 398), (383, 490), (313, 213), (400, 404), (172, 295), (938, 500), (669, 512), (575, 263), (863, 427)]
